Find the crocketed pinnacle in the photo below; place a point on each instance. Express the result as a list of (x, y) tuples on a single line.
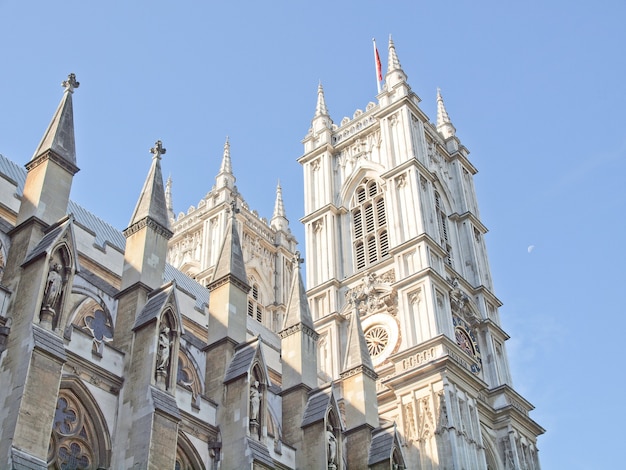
[(393, 61), (279, 219), (226, 166), (225, 177), (151, 203), (59, 136), (444, 125), (320, 108)]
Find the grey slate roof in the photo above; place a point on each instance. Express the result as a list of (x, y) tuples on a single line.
[(104, 232), (316, 406), (14, 172), (45, 244), (260, 453), (381, 446), (165, 402), (49, 342), (153, 307), (241, 362), (187, 284), (98, 282)]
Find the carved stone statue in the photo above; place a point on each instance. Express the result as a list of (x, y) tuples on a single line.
[(331, 442), (54, 287), (255, 401), (164, 349)]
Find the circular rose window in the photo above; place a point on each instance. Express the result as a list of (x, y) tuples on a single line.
[(377, 338), (381, 334)]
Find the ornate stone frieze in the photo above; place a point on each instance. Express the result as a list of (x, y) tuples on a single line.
[(375, 293)]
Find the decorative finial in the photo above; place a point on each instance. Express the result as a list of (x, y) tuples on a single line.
[(158, 149), (70, 83)]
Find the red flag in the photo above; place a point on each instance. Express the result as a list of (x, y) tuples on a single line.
[(379, 68)]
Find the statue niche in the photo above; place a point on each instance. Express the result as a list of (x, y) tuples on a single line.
[(56, 281), (256, 402), (165, 347)]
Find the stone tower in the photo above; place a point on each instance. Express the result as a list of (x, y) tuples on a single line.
[(391, 218)]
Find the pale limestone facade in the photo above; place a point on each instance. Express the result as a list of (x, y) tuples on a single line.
[(390, 196), (190, 341)]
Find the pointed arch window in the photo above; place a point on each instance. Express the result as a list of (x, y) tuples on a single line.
[(369, 224), (77, 440)]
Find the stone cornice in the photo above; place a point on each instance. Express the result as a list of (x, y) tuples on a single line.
[(359, 370), (225, 280), (150, 223), (299, 327), (52, 156)]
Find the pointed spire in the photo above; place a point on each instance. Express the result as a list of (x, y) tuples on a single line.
[(444, 125), (225, 177), (230, 264), (321, 119), (59, 137), (168, 198), (151, 203), (357, 353), (395, 74), (279, 220), (298, 311)]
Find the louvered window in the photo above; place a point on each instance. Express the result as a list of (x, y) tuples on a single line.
[(442, 222), (369, 224), (255, 307)]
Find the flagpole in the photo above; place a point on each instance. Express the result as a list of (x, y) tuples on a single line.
[(377, 65)]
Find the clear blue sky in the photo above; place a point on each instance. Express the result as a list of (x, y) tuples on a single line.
[(535, 89)]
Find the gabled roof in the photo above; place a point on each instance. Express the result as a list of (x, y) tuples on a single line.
[(51, 238), (243, 359), (155, 305), (384, 441), (318, 404)]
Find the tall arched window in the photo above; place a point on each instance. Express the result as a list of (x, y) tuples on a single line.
[(369, 224)]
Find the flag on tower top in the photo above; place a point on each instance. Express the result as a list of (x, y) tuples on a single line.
[(379, 68)]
